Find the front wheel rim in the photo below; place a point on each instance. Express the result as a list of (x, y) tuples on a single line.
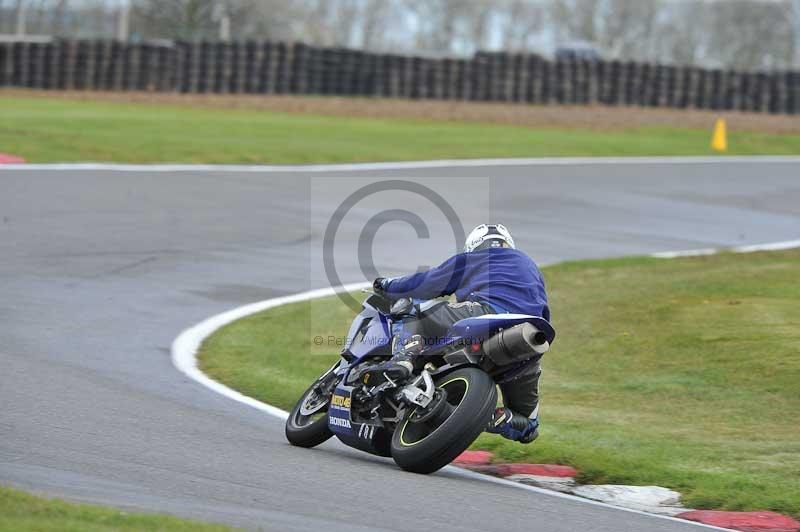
[(314, 406), (313, 403)]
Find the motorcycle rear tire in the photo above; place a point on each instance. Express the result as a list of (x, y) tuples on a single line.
[(476, 396)]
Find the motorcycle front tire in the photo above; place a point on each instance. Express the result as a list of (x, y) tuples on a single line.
[(306, 431)]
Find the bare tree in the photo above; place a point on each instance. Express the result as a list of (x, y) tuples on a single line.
[(576, 19), (264, 19), (682, 35), (751, 35), (59, 28), (520, 23), (175, 19), (21, 17), (794, 17), (477, 24), (36, 15), (622, 28), (375, 23), (315, 24), (346, 22), (446, 26), (435, 23), (628, 28)]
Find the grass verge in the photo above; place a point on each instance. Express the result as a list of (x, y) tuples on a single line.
[(681, 373), (56, 129), (21, 512)]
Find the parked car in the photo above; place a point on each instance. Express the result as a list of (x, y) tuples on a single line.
[(578, 50)]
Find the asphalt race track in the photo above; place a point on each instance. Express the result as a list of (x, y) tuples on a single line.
[(102, 269)]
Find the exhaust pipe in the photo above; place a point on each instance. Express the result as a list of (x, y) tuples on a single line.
[(516, 343)]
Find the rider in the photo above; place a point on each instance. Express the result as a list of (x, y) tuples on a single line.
[(490, 277)]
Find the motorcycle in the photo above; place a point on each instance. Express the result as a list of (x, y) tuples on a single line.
[(426, 421)]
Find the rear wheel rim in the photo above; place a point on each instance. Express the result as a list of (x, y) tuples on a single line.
[(414, 433)]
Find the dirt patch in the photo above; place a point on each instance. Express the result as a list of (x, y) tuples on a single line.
[(602, 118)]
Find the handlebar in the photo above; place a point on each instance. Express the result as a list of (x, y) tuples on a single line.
[(381, 295)]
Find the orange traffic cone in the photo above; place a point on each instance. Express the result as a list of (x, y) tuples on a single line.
[(719, 140)]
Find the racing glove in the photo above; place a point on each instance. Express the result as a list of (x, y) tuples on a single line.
[(379, 284)]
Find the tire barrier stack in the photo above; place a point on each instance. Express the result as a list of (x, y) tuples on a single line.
[(294, 68)]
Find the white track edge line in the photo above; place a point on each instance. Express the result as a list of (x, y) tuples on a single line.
[(184, 357), (771, 246), (407, 165), (187, 344)]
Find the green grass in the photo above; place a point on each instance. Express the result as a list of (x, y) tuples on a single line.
[(681, 373), (55, 130), (21, 512)]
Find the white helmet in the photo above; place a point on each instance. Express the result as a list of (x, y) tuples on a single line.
[(484, 236)]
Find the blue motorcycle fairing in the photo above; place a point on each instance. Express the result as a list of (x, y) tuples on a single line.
[(481, 328), (370, 332), (370, 438)]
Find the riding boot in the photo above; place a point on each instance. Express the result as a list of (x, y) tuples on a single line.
[(399, 367)]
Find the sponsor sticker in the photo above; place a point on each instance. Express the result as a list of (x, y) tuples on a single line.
[(366, 431), (341, 402), (339, 422)]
